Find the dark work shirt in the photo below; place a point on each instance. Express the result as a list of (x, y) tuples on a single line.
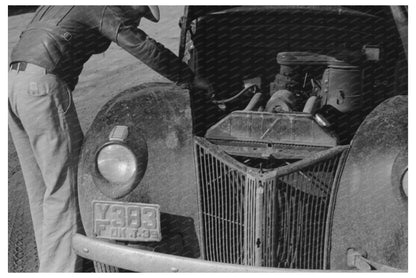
[(62, 38)]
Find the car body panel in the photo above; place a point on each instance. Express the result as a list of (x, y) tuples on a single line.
[(160, 113), (371, 210)]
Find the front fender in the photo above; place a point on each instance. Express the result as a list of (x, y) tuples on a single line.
[(161, 114), (371, 208)]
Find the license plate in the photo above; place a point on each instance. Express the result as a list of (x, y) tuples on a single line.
[(126, 221)]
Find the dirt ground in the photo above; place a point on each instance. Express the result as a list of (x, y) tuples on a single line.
[(103, 77)]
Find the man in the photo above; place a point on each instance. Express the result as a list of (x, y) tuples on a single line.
[(44, 69)]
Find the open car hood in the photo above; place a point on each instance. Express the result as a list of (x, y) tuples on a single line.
[(399, 13), (192, 12)]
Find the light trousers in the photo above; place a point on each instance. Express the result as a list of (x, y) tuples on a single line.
[(46, 133)]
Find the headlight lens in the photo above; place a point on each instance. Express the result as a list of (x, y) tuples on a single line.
[(405, 183), (116, 163)]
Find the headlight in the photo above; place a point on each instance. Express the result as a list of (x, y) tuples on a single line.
[(116, 163), (120, 163)]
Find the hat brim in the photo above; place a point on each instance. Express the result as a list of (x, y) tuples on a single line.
[(153, 14)]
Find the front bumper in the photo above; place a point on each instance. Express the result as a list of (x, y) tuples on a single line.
[(147, 261)]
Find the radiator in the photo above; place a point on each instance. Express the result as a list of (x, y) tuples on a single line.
[(274, 217)]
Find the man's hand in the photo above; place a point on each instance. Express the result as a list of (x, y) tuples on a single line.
[(200, 83)]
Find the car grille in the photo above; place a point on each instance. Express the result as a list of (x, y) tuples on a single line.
[(275, 217)]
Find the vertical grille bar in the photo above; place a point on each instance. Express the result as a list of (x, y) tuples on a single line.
[(247, 221), (324, 218), (202, 178), (213, 208), (233, 217), (287, 221), (322, 209), (258, 231), (223, 206), (243, 228), (227, 200), (216, 214)]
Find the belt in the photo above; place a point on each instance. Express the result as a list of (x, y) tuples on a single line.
[(24, 66), (19, 66)]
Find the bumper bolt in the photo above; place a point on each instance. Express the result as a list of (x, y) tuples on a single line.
[(174, 269), (85, 250)]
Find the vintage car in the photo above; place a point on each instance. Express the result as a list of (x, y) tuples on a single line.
[(297, 159)]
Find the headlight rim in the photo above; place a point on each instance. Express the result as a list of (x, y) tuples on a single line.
[(108, 188), (404, 182)]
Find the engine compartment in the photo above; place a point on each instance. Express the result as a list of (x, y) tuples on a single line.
[(323, 86), (333, 65)]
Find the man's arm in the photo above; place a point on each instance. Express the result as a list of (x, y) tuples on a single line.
[(125, 33)]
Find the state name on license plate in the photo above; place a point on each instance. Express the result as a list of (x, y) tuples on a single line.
[(126, 221)]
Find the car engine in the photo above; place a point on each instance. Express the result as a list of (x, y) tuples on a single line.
[(325, 86), (307, 82)]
